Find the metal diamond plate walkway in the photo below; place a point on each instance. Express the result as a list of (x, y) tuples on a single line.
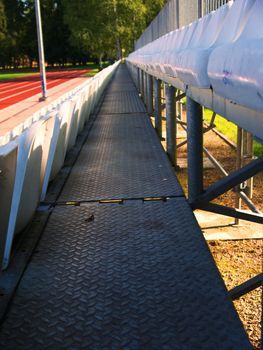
[(131, 274)]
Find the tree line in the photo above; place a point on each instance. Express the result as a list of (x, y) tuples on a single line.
[(74, 31)]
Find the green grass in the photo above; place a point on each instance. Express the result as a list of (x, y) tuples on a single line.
[(230, 130), (92, 72), (8, 76), (24, 72)]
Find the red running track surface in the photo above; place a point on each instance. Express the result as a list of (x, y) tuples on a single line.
[(17, 90)]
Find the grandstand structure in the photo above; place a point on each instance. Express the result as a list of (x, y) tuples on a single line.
[(214, 61), (111, 256)]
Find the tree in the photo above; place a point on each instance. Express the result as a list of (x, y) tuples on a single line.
[(153, 8), (108, 26), (72, 30), (2, 21), (14, 10), (55, 32)]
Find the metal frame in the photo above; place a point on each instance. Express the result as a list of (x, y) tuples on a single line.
[(199, 198), (157, 107), (175, 14), (244, 194), (170, 123), (149, 103), (230, 181), (195, 149), (246, 287)]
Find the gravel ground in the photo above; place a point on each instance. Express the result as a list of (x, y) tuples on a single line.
[(237, 260)]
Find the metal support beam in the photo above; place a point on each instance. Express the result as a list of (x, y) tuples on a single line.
[(139, 81), (249, 155), (231, 212), (241, 194), (239, 164), (138, 78), (150, 95), (145, 90), (230, 181), (195, 149), (179, 97), (142, 85), (157, 107), (200, 8), (170, 123), (246, 287)]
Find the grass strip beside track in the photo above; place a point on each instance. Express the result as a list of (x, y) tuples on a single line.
[(8, 76), (230, 130)]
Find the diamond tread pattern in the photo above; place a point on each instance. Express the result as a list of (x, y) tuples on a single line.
[(136, 276), (122, 96), (122, 158), (124, 102), (129, 276)]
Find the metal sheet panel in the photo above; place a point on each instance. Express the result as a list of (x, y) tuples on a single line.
[(123, 102), (136, 276), (122, 158)]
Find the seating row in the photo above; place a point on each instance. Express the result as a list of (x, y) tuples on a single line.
[(33, 153), (222, 50)]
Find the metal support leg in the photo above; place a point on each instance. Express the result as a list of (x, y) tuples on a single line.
[(138, 78), (139, 81), (145, 88), (142, 84), (157, 107), (170, 123), (195, 149), (239, 163), (249, 156), (150, 95)]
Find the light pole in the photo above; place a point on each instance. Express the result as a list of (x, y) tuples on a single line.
[(41, 52)]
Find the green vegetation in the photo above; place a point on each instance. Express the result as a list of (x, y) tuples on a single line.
[(74, 31), (7, 76), (92, 72), (230, 130), (92, 68)]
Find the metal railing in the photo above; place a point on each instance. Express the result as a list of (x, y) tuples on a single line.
[(175, 14), (211, 5)]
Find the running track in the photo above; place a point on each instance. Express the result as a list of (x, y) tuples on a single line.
[(17, 90)]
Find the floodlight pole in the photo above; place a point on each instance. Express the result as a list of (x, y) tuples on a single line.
[(41, 52)]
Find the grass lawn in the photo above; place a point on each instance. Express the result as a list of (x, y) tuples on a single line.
[(92, 72), (25, 72), (7, 76), (230, 130)]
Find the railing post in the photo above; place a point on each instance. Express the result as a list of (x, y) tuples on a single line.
[(170, 122), (150, 95), (200, 8), (195, 149), (157, 107)]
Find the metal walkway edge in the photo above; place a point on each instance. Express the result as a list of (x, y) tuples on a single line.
[(128, 268)]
